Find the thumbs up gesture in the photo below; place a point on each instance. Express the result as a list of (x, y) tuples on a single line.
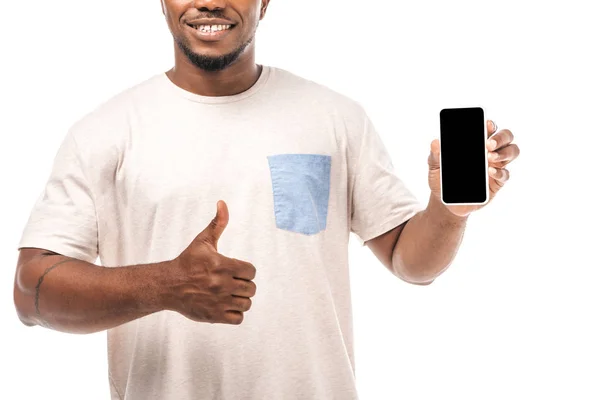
[(207, 286)]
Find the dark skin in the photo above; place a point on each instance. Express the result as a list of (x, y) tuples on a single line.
[(71, 295), (237, 77), (421, 249)]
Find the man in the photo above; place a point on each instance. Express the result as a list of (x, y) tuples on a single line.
[(299, 166)]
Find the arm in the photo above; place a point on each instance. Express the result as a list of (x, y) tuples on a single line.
[(71, 295), (421, 249), (75, 296), (428, 243)]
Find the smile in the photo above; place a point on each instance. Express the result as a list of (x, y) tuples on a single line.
[(211, 28), (211, 32)]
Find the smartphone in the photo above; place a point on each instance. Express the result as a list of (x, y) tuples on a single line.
[(463, 156)]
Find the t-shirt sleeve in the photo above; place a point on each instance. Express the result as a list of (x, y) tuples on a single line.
[(63, 218), (380, 201)]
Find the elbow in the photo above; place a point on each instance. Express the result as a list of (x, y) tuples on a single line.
[(24, 320), (22, 310), (424, 283), (23, 298), (415, 275), (418, 280)]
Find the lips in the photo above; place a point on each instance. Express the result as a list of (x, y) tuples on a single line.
[(210, 21)]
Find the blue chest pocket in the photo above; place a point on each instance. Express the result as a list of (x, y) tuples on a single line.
[(300, 191)]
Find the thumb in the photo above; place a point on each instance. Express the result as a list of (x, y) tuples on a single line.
[(215, 228), (434, 155)]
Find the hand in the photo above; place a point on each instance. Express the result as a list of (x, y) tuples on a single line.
[(501, 151), (209, 287)]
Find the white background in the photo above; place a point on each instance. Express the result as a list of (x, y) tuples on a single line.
[(515, 317)]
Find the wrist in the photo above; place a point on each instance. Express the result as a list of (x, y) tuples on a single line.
[(155, 292), (440, 212)]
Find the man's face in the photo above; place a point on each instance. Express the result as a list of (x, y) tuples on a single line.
[(212, 34)]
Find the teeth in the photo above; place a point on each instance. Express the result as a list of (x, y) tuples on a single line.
[(212, 28)]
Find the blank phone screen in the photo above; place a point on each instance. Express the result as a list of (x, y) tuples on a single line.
[(463, 155)]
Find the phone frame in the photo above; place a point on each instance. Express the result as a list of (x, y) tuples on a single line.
[(487, 174)]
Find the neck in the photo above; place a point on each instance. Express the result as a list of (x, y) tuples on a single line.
[(236, 78)]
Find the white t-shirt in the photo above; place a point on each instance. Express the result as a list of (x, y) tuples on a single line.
[(300, 167)]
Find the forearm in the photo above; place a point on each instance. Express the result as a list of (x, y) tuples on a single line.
[(70, 295), (428, 243)]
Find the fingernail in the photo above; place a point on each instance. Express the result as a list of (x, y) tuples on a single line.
[(492, 144), (492, 170), (492, 155)]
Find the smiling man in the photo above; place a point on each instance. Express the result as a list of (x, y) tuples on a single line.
[(219, 197)]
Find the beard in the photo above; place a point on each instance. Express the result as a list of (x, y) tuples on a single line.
[(212, 63)]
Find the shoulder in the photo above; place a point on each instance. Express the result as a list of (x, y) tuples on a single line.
[(101, 135), (312, 101), (111, 117), (316, 94)]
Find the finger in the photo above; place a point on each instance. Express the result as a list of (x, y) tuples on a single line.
[(234, 317), (243, 269), (491, 127), (503, 138), (495, 186), (499, 174), (505, 154), (213, 231), (498, 164), (244, 288), (434, 155), (240, 304)]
